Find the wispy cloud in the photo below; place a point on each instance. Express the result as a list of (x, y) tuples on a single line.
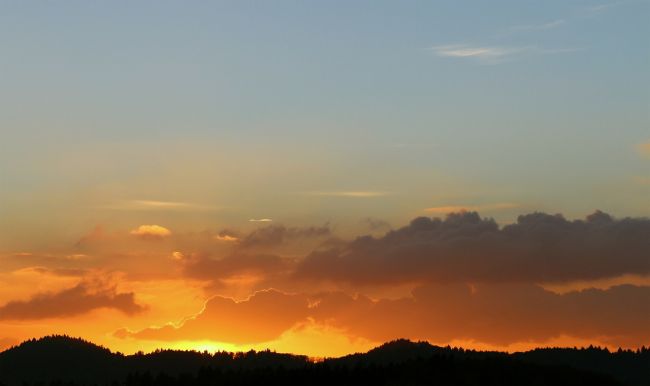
[(477, 208), (493, 54), (551, 51), (156, 205), (604, 6), (260, 220), (539, 27), (477, 52), (355, 194), (160, 204), (408, 145)]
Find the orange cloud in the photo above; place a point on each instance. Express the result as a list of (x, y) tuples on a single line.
[(96, 234), (233, 267), (66, 272), (151, 232), (354, 194), (496, 314), (262, 317), (226, 238)]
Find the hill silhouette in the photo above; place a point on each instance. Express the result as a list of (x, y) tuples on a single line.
[(62, 360)]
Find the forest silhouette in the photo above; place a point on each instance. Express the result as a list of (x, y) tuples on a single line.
[(62, 360)]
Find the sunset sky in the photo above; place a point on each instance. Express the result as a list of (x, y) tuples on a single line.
[(321, 177)]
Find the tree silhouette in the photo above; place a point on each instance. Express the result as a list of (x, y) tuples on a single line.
[(62, 360)]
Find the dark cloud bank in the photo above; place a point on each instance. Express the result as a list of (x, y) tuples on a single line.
[(464, 247), (273, 235), (79, 299)]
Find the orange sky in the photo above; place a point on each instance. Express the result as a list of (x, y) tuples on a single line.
[(321, 177), (462, 281)]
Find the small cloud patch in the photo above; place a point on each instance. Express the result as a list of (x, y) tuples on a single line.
[(151, 232)]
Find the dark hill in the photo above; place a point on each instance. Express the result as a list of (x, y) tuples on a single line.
[(61, 360), (57, 357), (628, 366)]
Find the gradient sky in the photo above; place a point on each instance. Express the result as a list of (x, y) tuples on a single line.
[(139, 140)]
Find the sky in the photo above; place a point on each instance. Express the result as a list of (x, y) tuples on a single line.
[(320, 177)]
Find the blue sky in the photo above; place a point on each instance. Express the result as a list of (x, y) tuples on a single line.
[(278, 109)]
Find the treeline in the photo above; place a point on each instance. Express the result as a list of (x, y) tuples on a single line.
[(61, 360)]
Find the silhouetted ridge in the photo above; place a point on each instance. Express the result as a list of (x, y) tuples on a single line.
[(396, 351), (57, 357), (632, 367), (63, 343), (61, 360)]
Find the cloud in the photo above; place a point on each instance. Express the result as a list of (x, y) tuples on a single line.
[(464, 247), (159, 204), (491, 54), (56, 263), (476, 208), (418, 145), (539, 27), (375, 224), (278, 234), (353, 194), (643, 149), (56, 271), (97, 234), (260, 220), (499, 314), (226, 237), (494, 54), (603, 7), (82, 298), (151, 232), (156, 205), (261, 318), (253, 258), (253, 267)]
